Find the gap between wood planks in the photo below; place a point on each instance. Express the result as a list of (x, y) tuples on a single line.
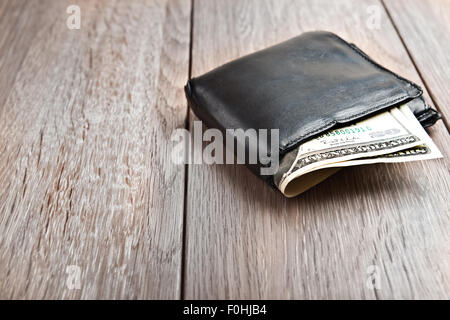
[(186, 166), (427, 87)]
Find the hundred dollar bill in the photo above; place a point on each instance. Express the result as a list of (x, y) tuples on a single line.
[(382, 134)]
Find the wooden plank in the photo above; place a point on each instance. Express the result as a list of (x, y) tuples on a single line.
[(246, 241), (18, 22), (424, 26), (86, 187)]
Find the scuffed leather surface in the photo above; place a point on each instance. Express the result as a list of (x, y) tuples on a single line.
[(302, 87)]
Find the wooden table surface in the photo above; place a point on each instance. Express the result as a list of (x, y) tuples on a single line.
[(91, 206)]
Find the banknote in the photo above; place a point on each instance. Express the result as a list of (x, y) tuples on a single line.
[(425, 151), (391, 136)]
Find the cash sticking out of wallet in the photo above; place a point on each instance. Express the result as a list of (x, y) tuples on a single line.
[(392, 136)]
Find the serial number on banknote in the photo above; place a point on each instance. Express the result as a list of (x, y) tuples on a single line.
[(346, 131)]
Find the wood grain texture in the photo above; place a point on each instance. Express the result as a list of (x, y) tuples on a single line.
[(84, 140), (424, 26), (246, 241), (18, 21)]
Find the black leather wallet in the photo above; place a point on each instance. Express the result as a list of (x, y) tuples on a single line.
[(303, 87)]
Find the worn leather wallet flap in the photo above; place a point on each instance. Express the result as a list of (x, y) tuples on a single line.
[(302, 87)]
